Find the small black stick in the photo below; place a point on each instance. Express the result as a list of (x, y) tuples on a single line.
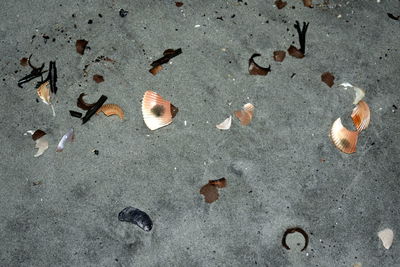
[(93, 109), (302, 35), (166, 57)]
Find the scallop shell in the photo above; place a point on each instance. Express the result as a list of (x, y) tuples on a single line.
[(157, 112), (246, 115), (344, 140), (361, 116), (111, 109)]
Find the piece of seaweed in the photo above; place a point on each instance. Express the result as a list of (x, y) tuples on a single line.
[(302, 35)]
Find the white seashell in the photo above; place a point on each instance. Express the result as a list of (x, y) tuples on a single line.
[(386, 236), (226, 124)]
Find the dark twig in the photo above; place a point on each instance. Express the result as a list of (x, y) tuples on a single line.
[(302, 35), (168, 54), (93, 109), (36, 72)]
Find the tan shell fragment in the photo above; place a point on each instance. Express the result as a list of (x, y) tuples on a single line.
[(343, 139), (43, 92), (246, 115), (111, 109), (361, 116), (157, 112), (226, 124)]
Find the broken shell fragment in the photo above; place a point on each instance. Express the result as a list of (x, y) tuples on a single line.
[(294, 230), (386, 236), (210, 193), (343, 139), (361, 116), (328, 78), (111, 109), (220, 183), (42, 144), (295, 52), (137, 217), (69, 136), (255, 69), (226, 124), (246, 115), (38, 134), (279, 56), (308, 3), (80, 46), (82, 104), (156, 111), (359, 92), (280, 4), (156, 69), (43, 92)]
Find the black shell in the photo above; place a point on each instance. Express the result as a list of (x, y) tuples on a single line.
[(136, 216)]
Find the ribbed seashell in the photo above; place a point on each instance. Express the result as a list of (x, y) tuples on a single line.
[(111, 109), (344, 140), (361, 116)]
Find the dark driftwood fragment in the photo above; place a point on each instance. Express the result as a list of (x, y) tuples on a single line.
[(393, 17), (302, 35), (279, 56), (255, 69), (328, 78), (82, 104), (280, 4), (93, 109), (80, 46), (291, 231), (136, 216), (75, 114), (168, 54)]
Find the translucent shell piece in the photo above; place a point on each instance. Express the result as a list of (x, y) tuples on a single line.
[(344, 140), (157, 112), (386, 236), (361, 116), (226, 124), (43, 92), (246, 115), (111, 109)]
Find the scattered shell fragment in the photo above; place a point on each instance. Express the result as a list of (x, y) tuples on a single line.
[(357, 264), (210, 193), (98, 78), (359, 92), (220, 183), (80, 46), (344, 140), (156, 111), (41, 143), (69, 136), (328, 78), (255, 69), (361, 116), (246, 115), (280, 4), (82, 104), (386, 236), (156, 69), (24, 61), (137, 217), (308, 3), (279, 56), (44, 94), (111, 109), (226, 124), (295, 52)]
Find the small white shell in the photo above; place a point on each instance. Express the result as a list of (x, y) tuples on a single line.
[(386, 236), (42, 145), (226, 124)]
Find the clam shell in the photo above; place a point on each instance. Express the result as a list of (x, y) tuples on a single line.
[(156, 111), (343, 139)]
